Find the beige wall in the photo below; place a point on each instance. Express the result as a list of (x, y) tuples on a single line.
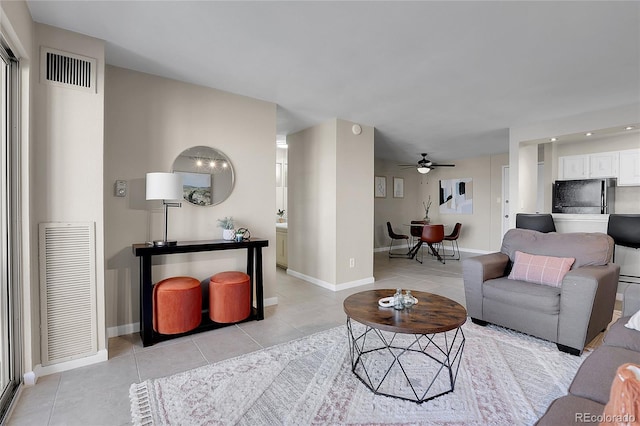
[(399, 211), (481, 231), (149, 121), (330, 204), (67, 158), (354, 215), (312, 202)]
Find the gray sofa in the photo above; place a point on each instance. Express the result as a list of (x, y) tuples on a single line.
[(589, 392), (570, 315)]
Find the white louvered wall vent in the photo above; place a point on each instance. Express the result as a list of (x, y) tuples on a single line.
[(67, 291), (67, 70)]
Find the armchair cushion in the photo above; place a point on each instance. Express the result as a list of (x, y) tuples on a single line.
[(526, 295), (546, 270), (593, 248)]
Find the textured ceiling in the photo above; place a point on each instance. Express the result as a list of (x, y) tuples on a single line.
[(447, 78)]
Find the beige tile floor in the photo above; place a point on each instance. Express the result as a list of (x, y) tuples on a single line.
[(99, 394)]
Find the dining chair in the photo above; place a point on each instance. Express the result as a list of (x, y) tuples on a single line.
[(432, 235), (395, 237), (453, 238), (416, 231), (542, 222)]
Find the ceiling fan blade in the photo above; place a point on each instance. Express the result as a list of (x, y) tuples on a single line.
[(442, 165)]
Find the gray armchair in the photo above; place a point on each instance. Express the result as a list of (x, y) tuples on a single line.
[(570, 315)]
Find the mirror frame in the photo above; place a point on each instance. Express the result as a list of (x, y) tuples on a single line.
[(194, 162)]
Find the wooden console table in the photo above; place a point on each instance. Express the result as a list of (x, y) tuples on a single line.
[(147, 251)]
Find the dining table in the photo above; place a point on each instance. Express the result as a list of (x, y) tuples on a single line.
[(414, 250)]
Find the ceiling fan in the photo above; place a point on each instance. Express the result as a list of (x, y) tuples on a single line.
[(424, 165)]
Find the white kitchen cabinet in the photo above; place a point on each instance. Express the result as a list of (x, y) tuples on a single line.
[(603, 165), (573, 167), (629, 168), (281, 247)]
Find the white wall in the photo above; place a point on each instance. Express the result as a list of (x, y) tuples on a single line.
[(330, 204), (149, 121)]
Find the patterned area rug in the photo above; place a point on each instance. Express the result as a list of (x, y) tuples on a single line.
[(505, 378)]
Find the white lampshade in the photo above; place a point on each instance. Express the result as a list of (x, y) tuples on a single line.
[(164, 186), (424, 170)]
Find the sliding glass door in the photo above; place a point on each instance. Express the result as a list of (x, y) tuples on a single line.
[(9, 232)]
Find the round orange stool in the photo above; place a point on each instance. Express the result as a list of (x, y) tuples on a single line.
[(229, 297), (177, 305)]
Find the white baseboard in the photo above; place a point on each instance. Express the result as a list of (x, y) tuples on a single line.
[(329, 286), (121, 330), (270, 301), (31, 377)]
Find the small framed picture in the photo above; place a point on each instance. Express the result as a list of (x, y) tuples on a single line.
[(380, 187), (398, 187)]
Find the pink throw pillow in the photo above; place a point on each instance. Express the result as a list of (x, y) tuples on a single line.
[(545, 270)]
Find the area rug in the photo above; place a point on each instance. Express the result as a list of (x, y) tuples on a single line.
[(505, 378)]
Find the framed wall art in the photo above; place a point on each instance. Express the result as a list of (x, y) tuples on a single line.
[(398, 187), (456, 196), (380, 187)]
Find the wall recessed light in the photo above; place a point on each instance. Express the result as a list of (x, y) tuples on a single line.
[(588, 134), (553, 139), (629, 128)]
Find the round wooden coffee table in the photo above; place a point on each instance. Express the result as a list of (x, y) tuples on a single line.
[(411, 354)]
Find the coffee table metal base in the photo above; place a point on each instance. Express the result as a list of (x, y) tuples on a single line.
[(375, 354)]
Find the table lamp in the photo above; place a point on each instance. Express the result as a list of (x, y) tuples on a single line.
[(165, 187)]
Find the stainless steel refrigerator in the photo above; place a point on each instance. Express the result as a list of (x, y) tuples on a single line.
[(587, 196)]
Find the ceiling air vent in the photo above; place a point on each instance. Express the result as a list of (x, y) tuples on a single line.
[(67, 70)]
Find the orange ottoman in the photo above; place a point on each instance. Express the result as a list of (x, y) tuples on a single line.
[(229, 297), (177, 305)]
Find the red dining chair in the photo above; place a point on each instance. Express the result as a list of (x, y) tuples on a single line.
[(416, 231), (432, 235), (453, 238)]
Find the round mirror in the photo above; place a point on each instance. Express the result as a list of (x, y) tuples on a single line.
[(207, 175)]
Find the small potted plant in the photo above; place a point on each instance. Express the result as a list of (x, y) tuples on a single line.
[(280, 215), (226, 224)]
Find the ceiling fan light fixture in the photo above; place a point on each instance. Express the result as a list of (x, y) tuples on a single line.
[(424, 170)]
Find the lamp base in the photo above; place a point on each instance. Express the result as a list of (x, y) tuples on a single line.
[(164, 243)]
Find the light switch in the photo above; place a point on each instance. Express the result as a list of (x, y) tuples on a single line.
[(120, 188)]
